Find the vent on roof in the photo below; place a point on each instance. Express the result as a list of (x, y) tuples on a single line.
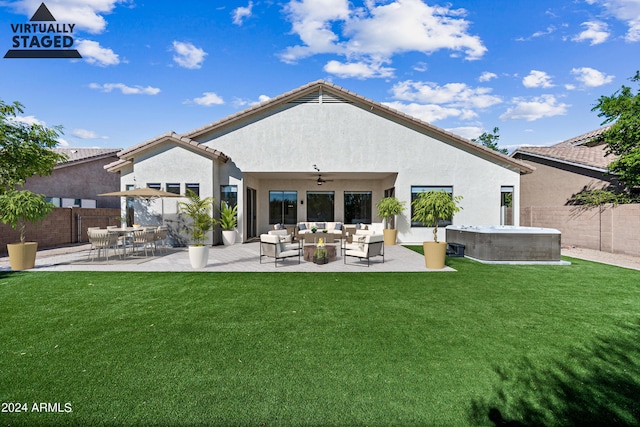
[(319, 97)]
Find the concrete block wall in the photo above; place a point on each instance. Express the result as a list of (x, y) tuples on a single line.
[(614, 229), (60, 227)]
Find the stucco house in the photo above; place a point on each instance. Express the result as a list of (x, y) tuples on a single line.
[(79, 179), (320, 153), (564, 169)]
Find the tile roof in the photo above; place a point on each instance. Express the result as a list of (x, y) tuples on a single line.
[(576, 151), (76, 155)]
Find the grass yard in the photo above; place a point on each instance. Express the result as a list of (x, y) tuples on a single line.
[(537, 345)]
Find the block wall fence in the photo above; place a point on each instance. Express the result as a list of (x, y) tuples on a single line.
[(614, 229), (63, 226)]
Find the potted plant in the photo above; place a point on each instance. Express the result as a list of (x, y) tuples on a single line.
[(430, 208), (228, 222), (199, 211), (17, 208), (387, 209), (25, 151)]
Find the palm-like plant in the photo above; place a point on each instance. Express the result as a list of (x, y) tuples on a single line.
[(199, 210), (228, 216)]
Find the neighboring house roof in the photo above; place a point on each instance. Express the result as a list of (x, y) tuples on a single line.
[(576, 151), (329, 90), (127, 156), (81, 155)]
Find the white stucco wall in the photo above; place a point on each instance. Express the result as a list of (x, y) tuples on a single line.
[(347, 138)]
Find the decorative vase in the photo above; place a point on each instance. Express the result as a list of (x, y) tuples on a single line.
[(390, 235), (434, 254), (22, 256), (229, 237), (198, 256)]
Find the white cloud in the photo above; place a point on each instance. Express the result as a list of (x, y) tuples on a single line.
[(361, 70), (487, 76), (208, 99), (597, 32), (537, 79), (28, 120), (430, 112), (126, 90), (86, 15), (187, 55), (536, 108), (240, 13), (451, 94), (627, 11), (468, 132), (376, 32), (93, 53), (239, 102), (87, 134), (590, 77)]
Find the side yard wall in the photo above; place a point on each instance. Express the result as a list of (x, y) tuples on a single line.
[(614, 229), (61, 227)]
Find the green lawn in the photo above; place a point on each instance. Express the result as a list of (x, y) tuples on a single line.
[(539, 345)]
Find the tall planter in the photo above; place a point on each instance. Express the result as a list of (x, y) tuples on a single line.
[(198, 256), (229, 237), (434, 254), (22, 256), (228, 222), (390, 236)]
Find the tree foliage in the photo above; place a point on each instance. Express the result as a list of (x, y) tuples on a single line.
[(490, 140), (430, 207), (200, 211), (622, 111), (25, 149)]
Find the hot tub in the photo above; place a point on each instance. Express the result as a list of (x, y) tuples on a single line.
[(507, 243)]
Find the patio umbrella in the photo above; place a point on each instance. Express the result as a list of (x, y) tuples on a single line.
[(143, 193)]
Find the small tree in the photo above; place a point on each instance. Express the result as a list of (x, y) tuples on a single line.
[(430, 207), (388, 207), (228, 216), (490, 140), (199, 210), (25, 151), (622, 109)]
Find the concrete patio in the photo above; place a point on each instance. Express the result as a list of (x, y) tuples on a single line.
[(238, 257)]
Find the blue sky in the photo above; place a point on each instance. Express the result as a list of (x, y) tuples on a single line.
[(532, 68)]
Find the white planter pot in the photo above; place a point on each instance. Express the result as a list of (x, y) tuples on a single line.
[(198, 256), (229, 237)]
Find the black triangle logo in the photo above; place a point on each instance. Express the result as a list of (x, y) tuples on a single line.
[(42, 14)]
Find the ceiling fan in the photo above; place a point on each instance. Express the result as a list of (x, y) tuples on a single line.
[(320, 180)]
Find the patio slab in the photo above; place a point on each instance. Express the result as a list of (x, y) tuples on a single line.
[(236, 258)]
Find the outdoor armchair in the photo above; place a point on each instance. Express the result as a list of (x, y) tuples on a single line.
[(271, 246), (366, 247)]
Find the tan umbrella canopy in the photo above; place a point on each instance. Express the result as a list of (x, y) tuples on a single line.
[(143, 193)]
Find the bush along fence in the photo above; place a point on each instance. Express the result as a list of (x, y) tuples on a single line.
[(63, 226), (608, 228)]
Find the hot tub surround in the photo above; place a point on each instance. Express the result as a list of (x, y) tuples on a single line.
[(507, 243)]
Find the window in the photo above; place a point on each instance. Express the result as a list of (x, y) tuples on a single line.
[(320, 205), (357, 207), (154, 185), (417, 189), (506, 205), (283, 207), (173, 188), (229, 195), (192, 187)]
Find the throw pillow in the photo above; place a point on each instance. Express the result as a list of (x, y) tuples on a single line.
[(302, 226), (321, 225), (338, 226)]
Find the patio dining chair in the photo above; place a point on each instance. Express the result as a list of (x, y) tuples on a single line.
[(144, 239), (162, 233), (102, 240)]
